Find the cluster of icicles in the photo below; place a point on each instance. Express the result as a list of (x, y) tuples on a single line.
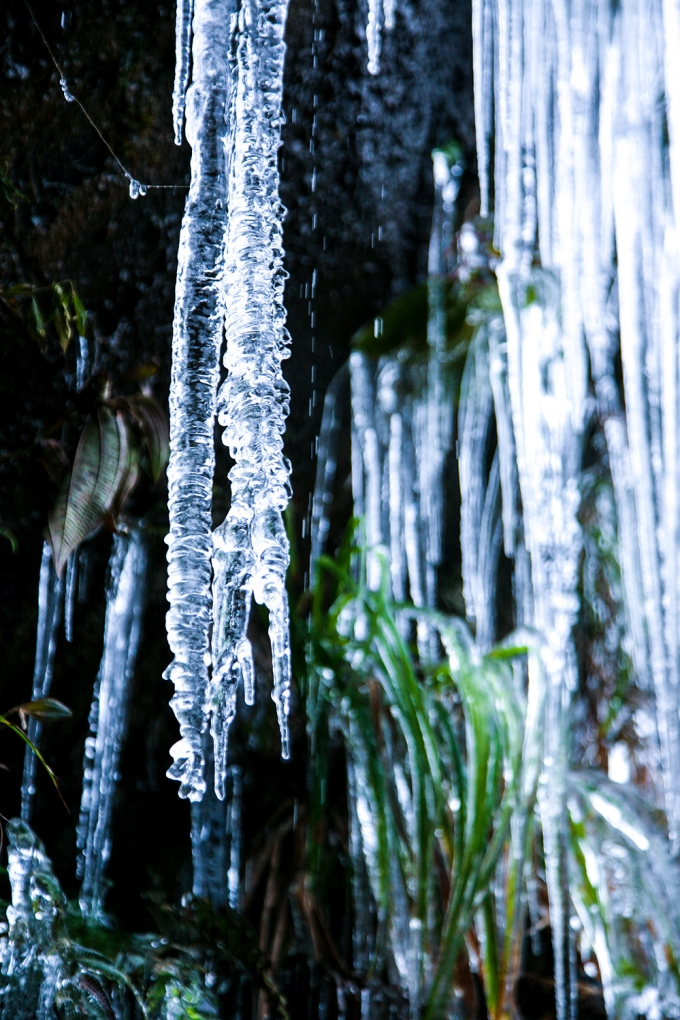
[(582, 102), (582, 105), (230, 281)]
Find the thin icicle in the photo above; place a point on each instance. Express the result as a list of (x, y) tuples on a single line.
[(476, 408), (373, 32), (327, 462), (197, 335), (235, 837), (70, 596), (108, 714), (251, 546), (185, 9), (50, 608)]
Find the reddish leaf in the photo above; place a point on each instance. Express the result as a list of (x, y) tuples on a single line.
[(44, 709), (100, 467)]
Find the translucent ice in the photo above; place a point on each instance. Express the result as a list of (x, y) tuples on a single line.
[(251, 547), (583, 104), (31, 966), (197, 335), (108, 715)]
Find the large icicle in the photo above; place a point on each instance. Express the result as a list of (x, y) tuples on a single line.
[(197, 335), (50, 609), (251, 547), (108, 715)]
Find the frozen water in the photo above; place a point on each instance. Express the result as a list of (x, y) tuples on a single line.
[(185, 9), (251, 552), (31, 967), (108, 714), (326, 466), (197, 335), (583, 102), (402, 429), (50, 609)]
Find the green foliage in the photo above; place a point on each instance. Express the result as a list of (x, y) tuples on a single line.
[(446, 760), (43, 709), (39, 307)]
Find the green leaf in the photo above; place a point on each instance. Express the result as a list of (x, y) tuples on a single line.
[(153, 423), (62, 325), (11, 538), (80, 312), (37, 316), (29, 743), (90, 492), (44, 709)]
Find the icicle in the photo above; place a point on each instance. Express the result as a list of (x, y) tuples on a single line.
[(435, 437), (108, 714), (476, 408), (50, 607), (326, 466), (70, 597), (82, 362), (235, 837), (251, 547), (361, 928), (31, 966), (373, 40), (185, 9), (197, 334)]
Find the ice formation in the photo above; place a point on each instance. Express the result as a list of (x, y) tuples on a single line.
[(327, 463), (31, 965), (197, 336), (583, 104), (50, 611), (402, 427), (185, 10), (251, 546), (380, 15), (108, 715), (230, 263)]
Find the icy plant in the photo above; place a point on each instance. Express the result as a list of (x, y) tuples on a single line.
[(442, 771)]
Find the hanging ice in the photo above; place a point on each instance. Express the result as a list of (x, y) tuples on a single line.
[(50, 609), (185, 10), (108, 715), (251, 547), (380, 15), (584, 105), (402, 426), (327, 462), (197, 334)]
